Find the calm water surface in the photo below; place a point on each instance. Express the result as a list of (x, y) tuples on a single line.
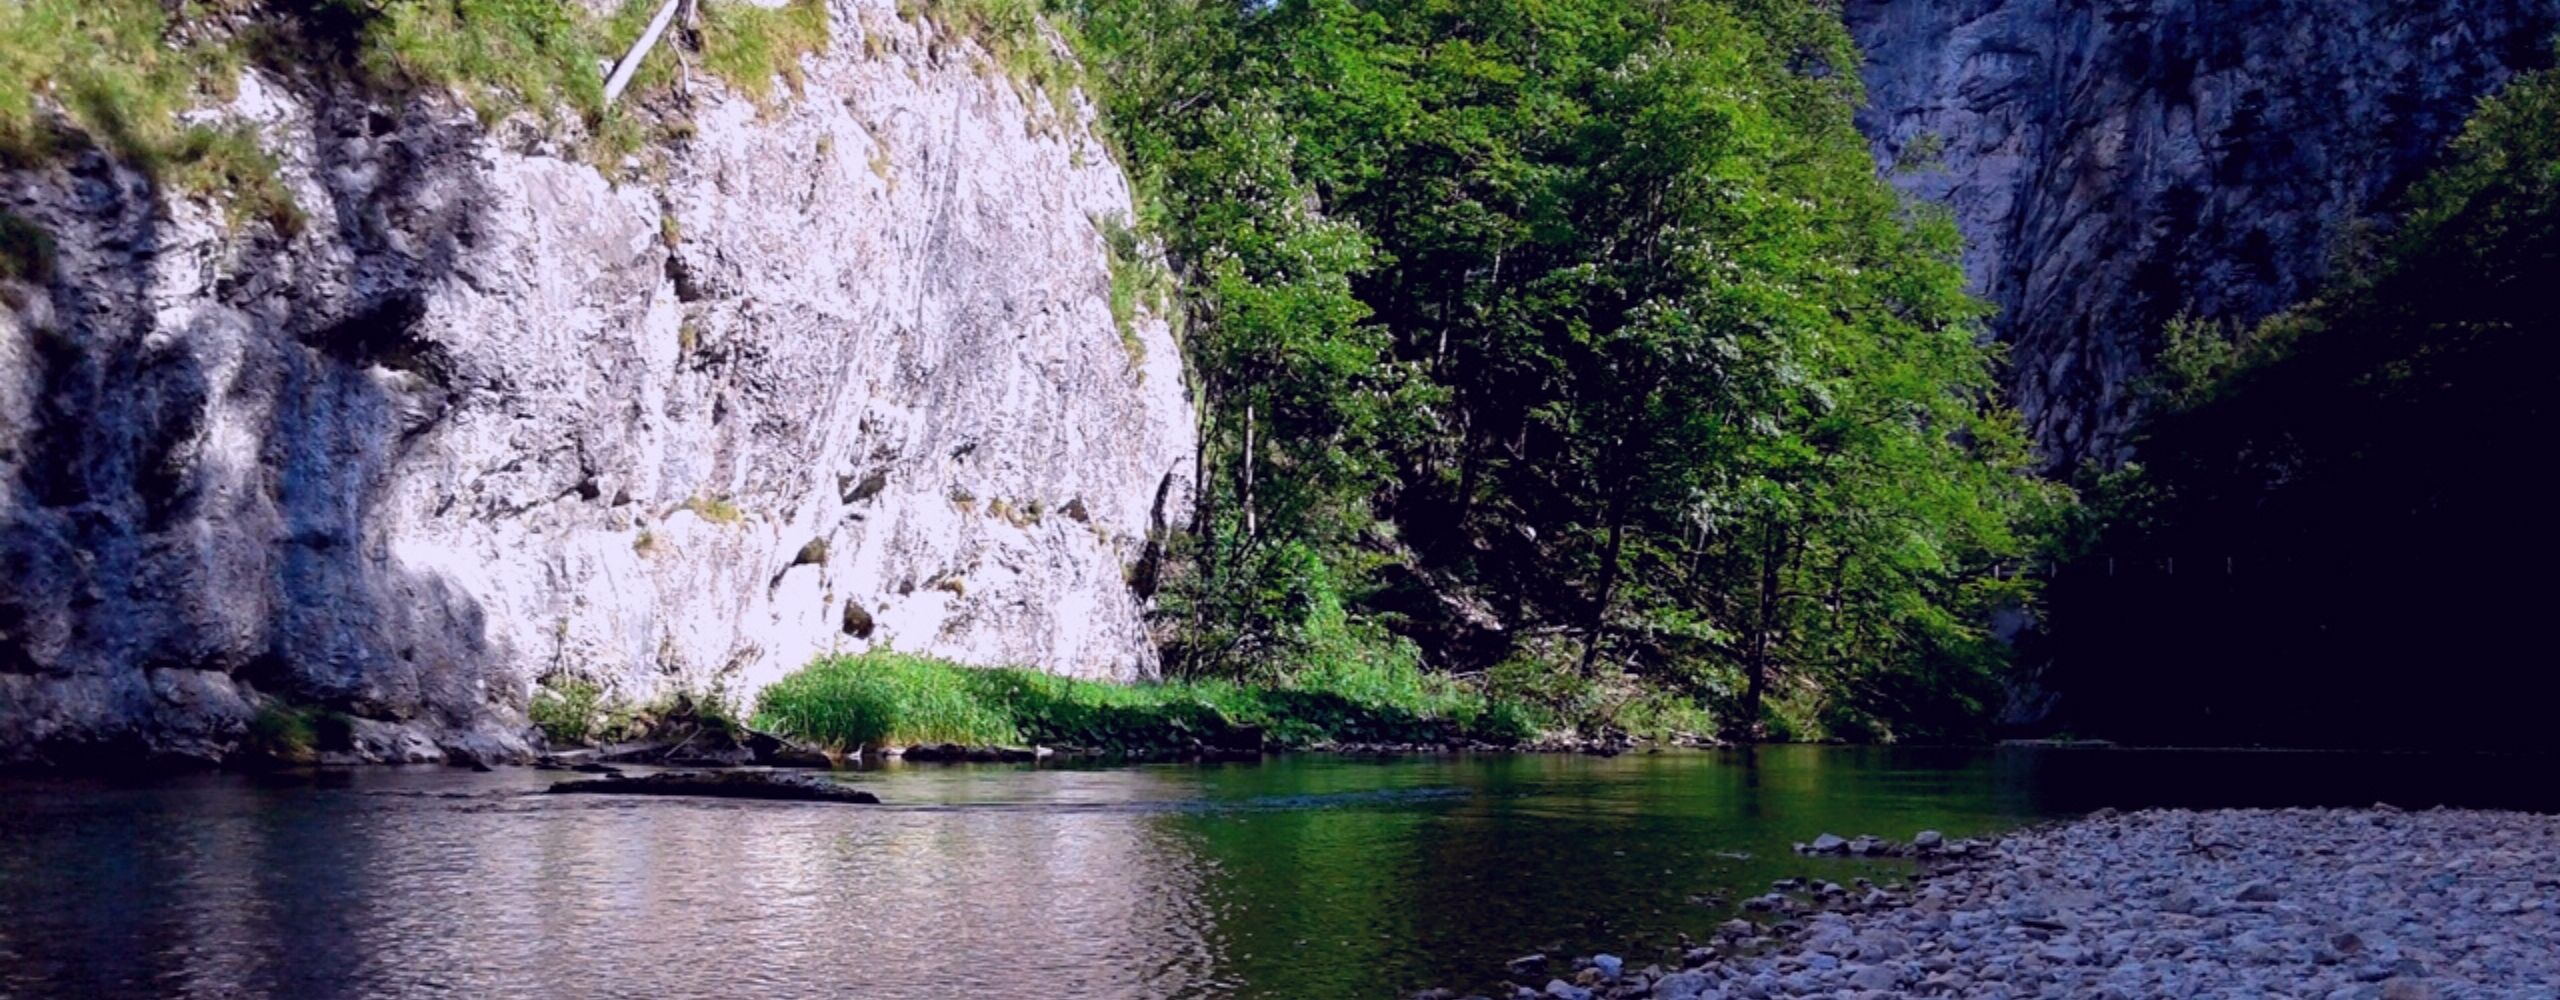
[(1305, 877)]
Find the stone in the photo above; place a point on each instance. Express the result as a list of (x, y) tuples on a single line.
[(1526, 964), (1873, 977), (1608, 965), (655, 433), (2406, 988), (2258, 892), (2095, 154), (1929, 840), (1681, 986), (1561, 990), (1828, 844)]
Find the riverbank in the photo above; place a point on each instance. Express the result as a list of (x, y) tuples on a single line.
[(2338, 904), (884, 700)]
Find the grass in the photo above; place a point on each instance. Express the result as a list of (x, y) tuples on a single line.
[(500, 55), (116, 78), (750, 46), (282, 733), (1136, 280), (716, 510), (884, 698), (1018, 37), (120, 74)]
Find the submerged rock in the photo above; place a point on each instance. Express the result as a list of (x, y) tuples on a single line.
[(769, 785)]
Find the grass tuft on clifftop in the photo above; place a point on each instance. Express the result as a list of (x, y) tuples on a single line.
[(895, 699)]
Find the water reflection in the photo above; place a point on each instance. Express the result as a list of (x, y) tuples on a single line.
[(1298, 878)]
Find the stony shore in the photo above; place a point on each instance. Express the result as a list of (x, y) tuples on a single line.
[(2332, 904)]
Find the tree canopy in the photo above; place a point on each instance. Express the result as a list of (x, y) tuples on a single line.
[(1575, 342)]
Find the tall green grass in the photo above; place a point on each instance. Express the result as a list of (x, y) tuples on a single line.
[(892, 699), (881, 699)]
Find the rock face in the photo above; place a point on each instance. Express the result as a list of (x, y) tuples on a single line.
[(836, 372), (2113, 164)]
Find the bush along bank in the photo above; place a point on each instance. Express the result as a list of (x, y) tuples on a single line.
[(880, 701)]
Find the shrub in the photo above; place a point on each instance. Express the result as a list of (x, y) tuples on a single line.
[(281, 733), (565, 710)]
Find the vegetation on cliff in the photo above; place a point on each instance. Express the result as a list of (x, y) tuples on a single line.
[(2330, 527), (1560, 354)]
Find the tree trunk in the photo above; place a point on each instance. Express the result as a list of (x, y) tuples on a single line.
[(1608, 583), (1755, 657), (1249, 530)]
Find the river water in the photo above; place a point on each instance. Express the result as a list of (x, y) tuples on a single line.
[(1300, 877)]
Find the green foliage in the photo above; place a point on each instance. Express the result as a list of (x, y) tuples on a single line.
[(281, 733), (887, 698), (1136, 281), (1016, 34), (500, 55), (877, 699), (1597, 308), (567, 710), (717, 510), (117, 74), (751, 46)]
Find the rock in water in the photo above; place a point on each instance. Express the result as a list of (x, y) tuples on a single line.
[(769, 785), (830, 374)]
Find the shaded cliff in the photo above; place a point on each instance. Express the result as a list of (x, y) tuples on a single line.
[(2113, 164), (836, 371)]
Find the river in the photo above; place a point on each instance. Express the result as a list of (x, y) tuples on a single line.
[(1306, 877)]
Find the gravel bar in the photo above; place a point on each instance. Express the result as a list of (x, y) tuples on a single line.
[(2333, 904)]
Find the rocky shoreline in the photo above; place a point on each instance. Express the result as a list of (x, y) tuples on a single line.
[(2332, 904)]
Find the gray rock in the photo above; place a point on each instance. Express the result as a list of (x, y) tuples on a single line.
[(1609, 965), (1562, 990), (1828, 844), (1681, 986), (1929, 840), (2405, 988), (503, 417), (2113, 164), (2258, 892), (1873, 977)]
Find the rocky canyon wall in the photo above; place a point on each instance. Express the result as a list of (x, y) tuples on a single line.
[(835, 372), (2115, 163)]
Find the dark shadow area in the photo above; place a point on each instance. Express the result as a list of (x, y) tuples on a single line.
[(201, 493)]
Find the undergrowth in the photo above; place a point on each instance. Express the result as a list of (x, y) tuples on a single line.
[(891, 699)]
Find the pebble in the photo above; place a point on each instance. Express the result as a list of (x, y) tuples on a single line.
[(2374, 904)]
